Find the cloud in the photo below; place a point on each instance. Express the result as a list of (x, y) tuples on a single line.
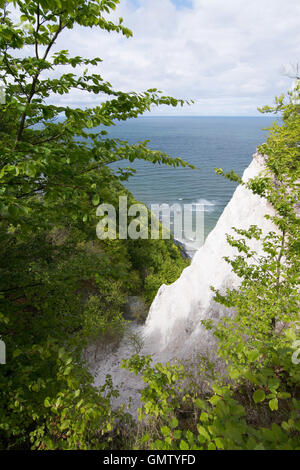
[(227, 56)]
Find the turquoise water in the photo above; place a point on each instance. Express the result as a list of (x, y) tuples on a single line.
[(206, 142)]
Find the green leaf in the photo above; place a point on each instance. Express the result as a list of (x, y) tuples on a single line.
[(283, 395), (47, 403), (174, 423), (190, 437), (253, 355), (17, 353), (219, 443), (211, 446), (202, 431), (96, 200), (259, 396), (68, 370), (259, 447), (165, 431), (184, 445), (273, 404)]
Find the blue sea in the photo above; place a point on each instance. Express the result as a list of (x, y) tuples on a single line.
[(206, 142)]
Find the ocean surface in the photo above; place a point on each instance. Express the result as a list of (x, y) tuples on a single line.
[(206, 142)]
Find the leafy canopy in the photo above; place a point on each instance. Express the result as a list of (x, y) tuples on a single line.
[(60, 286)]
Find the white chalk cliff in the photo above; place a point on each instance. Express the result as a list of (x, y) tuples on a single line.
[(173, 326)]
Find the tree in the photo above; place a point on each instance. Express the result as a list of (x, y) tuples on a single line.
[(53, 173)]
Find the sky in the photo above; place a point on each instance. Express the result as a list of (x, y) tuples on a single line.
[(228, 56)]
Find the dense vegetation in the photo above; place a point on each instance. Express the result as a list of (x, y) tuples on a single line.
[(61, 287), (255, 404)]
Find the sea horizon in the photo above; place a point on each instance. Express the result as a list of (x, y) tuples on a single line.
[(208, 142)]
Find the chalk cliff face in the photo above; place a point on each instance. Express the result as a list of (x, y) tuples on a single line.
[(173, 326)]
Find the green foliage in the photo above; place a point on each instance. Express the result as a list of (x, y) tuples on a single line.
[(158, 261), (60, 286), (53, 402), (255, 404)]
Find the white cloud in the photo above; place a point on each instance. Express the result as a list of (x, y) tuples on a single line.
[(226, 55)]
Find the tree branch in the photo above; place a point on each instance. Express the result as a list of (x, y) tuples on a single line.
[(35, 79)]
